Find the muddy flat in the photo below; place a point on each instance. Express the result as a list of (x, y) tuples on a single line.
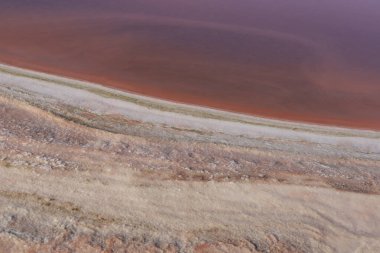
[(303, 61)]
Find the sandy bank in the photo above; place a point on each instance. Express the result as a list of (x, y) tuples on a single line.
[(85, 168)]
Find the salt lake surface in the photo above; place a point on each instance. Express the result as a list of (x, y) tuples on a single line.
[(313, 61)]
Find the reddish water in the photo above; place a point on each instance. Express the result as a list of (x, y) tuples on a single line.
[(314, 61)]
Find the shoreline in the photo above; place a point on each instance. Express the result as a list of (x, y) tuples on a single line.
[(102, 100), (228, 115), (116, 86)]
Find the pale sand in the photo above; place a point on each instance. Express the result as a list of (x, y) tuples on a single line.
[(174, 176)]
